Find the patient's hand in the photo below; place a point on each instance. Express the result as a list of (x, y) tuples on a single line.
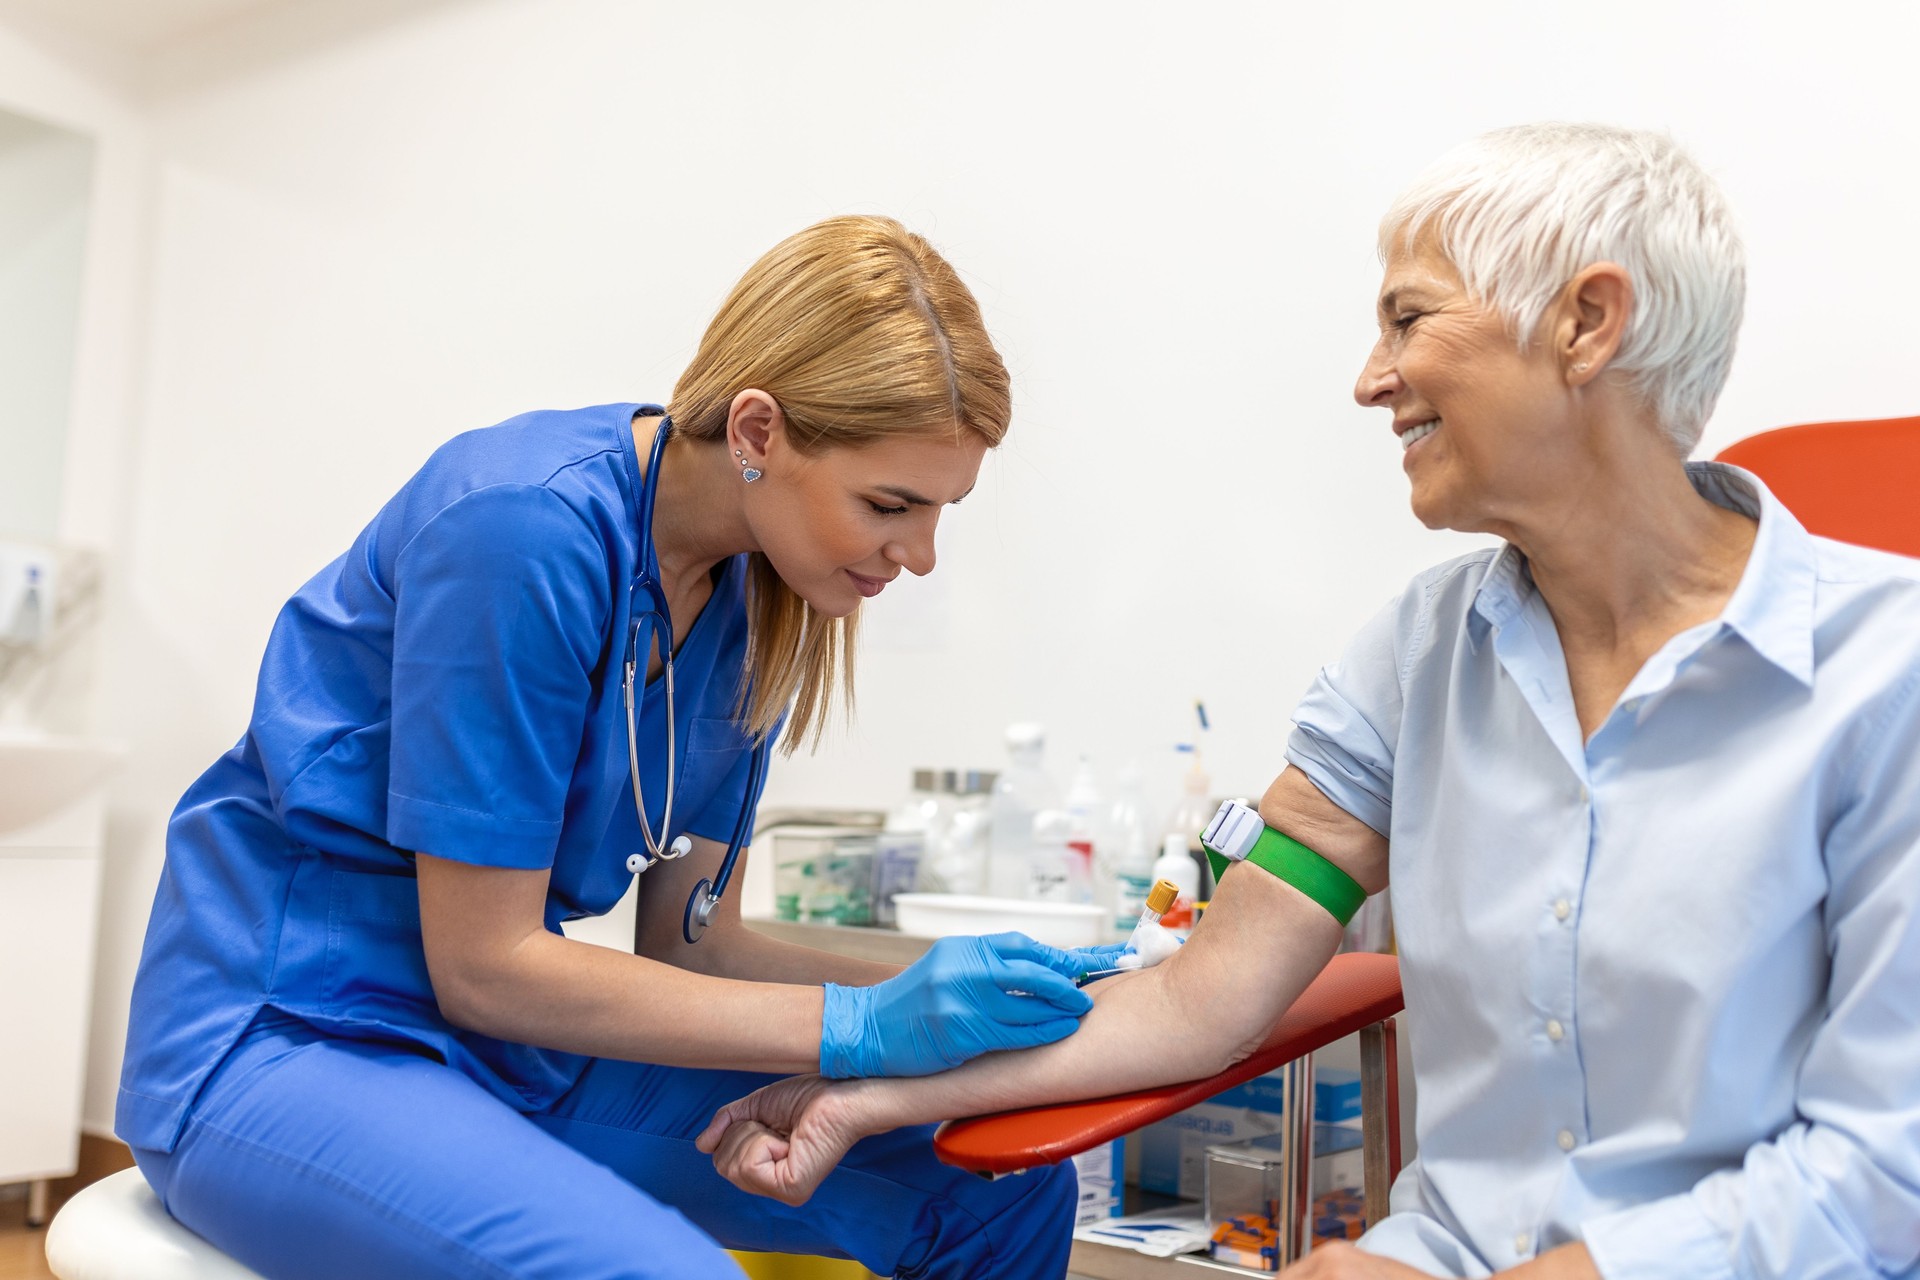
[(781, 1141)]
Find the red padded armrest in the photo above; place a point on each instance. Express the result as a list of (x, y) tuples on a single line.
[(1351, 992)]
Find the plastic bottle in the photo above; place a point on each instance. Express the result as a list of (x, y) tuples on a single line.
[(913, 829), (1050, 858), (1085, 819), (29, 623), (1124, 858), (926, 808), (1191, 815), (966, 829), (1018, 797), (956, 861), (1175, 866)]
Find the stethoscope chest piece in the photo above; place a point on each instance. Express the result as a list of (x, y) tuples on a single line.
[(699, 913)]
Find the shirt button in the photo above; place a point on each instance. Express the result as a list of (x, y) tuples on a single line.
[(1562, 909), (1566, 1140), (1586, 796), (1520, 1243), (1555, 1032)]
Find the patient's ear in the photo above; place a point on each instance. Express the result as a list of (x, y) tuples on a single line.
[(1590, 320)]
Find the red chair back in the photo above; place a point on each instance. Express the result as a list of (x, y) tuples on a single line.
[(1856, 482)]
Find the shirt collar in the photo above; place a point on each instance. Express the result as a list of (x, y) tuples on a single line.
[(1771, 608), (1503, 591)]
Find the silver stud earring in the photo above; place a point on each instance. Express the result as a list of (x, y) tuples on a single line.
[(1581, 367), (749, 474)]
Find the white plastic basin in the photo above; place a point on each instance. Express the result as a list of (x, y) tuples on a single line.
[(41, 777), (1058, 924)]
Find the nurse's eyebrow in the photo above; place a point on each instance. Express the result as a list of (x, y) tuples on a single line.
[(911, 498)]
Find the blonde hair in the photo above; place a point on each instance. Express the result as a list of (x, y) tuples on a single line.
[(860, 331)]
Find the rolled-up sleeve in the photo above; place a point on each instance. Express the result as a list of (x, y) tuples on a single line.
[(1347, 725), (1837, 1193)]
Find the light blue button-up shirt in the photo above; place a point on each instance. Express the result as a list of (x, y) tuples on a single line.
[(1663, 986)]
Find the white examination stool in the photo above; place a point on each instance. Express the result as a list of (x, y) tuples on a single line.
[(115, 1229)]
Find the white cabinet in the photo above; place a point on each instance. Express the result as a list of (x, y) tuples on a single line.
[(52, 813)]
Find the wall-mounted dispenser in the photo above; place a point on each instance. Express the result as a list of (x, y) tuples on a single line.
[(27, 583)]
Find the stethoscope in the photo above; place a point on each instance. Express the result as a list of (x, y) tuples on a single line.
[(647, 607)]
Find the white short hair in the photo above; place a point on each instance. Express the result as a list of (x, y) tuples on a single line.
[(1520, 211)]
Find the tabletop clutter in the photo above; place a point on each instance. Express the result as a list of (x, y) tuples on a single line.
[(1016, 843), (974, 851)]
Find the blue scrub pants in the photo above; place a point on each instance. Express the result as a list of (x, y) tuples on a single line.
[(307, 1155)]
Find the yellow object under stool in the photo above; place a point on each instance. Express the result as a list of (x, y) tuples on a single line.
[(782, 1266)]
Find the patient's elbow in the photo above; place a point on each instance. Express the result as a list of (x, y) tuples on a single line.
[(1220, 1030), (1209, 1055), (1244, 1046)]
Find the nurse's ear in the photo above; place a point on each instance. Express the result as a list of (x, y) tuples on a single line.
[(756, 429)]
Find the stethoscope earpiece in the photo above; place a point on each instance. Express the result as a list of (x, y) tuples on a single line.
[(680, 848)]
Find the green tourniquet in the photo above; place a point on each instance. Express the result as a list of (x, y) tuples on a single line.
[(1305, 870)]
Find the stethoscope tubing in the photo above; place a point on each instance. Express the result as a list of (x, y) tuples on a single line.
[(706, 895), (658, 850)]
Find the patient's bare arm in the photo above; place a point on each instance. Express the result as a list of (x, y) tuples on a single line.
[(1204, 1009)]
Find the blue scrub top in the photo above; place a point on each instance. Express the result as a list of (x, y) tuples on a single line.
[(451, 684)]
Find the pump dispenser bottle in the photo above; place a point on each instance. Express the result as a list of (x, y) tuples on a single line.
[(1190, 817)]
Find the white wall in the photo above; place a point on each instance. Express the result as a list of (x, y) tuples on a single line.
[(370, 240), (90, 92), (46, 187)]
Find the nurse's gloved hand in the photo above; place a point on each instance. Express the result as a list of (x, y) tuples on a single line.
[(1094, 959), (965, 997)]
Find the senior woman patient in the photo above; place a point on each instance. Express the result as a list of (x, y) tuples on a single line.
[(1644, 777)]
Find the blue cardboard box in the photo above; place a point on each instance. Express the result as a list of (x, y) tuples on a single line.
[(1172, 1153)]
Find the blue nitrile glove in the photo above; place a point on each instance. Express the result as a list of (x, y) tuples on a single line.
[(1096, 959), (956, 1002)]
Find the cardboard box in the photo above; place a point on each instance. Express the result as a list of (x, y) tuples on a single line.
[(1172, 1153), (1336, 1096), (1102, 1176)]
